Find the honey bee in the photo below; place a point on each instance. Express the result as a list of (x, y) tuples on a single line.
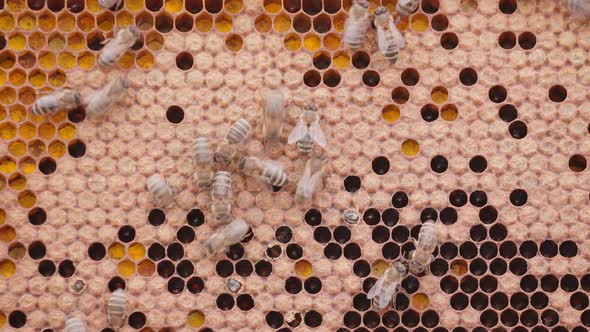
[(203, 162), (106, 4), (75, 324), (163, 193), (579, 7), (421, 257), (116, 47), (273, 118), (230, 234), (356, 24), (269, 172), (312, 177), (308, 130), (57, 101), (116, 309), (389, 39), (221, 196), (385, 289), (406, 7), (103, 99), (228, 149)]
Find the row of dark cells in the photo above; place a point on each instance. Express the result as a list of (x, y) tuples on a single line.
[(78, 6), (18, 319), (276, 319)]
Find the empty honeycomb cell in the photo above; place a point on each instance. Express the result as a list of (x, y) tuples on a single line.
[(175, 251), (302, 23), (184, 22), (105, 22), (116, 251), (332, 41), (507, 40), (66, 22), (46, 268), (371, 78), (224, 23), (225, 302), (430, 6), (17, 77), (557, 93), (175, 285), (185, 234), (234, 42), (7, 60), (497, 94), (7, 22), (371, 319), (439, 22), (76, 149), (66, 268), (380, 165), (449, 40), (154, 5), (507, 6), (7, 96), (518, 129), (527, 40), (137, 320), (518, 197), (468, 76), (164, 23), (37, 250), (419, 22), (213, 6), (331, 78), (263, 268), (7, 268), (196, 318), (126, 268), (7, 165), (282, 23), (292, 43), (146, 268), (400, 95), (184, 61), (478, 164), (568, 249), (96, 251), (235, 252), (76, 42), (508, 113)]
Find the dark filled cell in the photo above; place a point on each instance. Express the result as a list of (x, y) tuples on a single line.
[(468, 76), (66, 268), (528, 249), (360, 302), (126, 234), (479, 301), (156, 252), (380, 165), (498, 266), (225, 302), (448, 216), (361, 268), (499, 301), (569, 283), (548, 248), (449, 284), (273, 252), (440, 22), (390, 251), (294, 251), (352, 251), (410, 76), (400, 95), (509, 317), (529, 318), (37, 250), (399, 199), (488, 284), (175, 251), (498, 94), (371, 78), (195, 218), (529, 283), (352, 319), (429, 112), (175, 114), (478, 267), (539, 300), (244, 268), (568, 249), (342, 234), (410, 284), (322, 234), (47, 166), (557, 93), (478, 164), (332, 251), (488, 250), (507, 6), (458, 198), (165, 268), (371, 216), (284, 234), (263, 268), (468, 250), (508, 249), (549, 283), (195, 285), (549, 317), (449, 250), (185, 234), (449, 40), (175, 285), (410, 318), (439, 164), (156, 217), (245, 302), (498, 232), (371, 319), (361, 60), (17, 319), (313, 217), (312, 285), (380, 234), (37, 216), (518, 266), (518, 197), (77, 149), (506, 40), (224, 268), (489, 318), (519, 300), (468, 284), (185, 268), (508, 113), (313, 319), (439, 267), (459, 301), (96, 251), (478, 198), (518, 129), (274, 319), (235, 252), (428, 214), (478, 233), (488, 214)]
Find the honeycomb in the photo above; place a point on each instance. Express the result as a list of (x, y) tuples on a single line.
[(483, 125)]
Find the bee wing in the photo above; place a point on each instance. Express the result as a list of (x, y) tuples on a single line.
[(381, 39), (398, 36), (305, 185), (317, 134), (298, 132), (377, 287)]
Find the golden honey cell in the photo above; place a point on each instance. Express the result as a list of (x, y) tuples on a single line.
[(17, 148), (303, 269), (234, 43), (223, 23), (37, 78), (17, 42), (37, 148), (57, 149), (7, 269), (146, 268), (7, 130), (27, 95), (7, 233), (66, 22), (124, 19), (17, 77), (282, 23), (292, 42), (27, 165), (26, 131), (17, 251), (410, 148), (196, 319), (116, 251), (126, 268)]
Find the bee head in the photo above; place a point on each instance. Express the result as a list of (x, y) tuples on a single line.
[(381, 11)]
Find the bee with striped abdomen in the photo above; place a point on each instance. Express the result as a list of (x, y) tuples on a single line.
[(389, 39), (163, 193), (221, 196), (270, 172), (203, 162), (308, 130), (116, 309), (228, 149), (385, 288), (57, 101), (124, 39), (230, 234), (356, 25), (312, 177), (75, 324), (274, 113), (421, 257)]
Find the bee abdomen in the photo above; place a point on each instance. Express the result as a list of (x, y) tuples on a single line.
[(163, 193), (75, 324), (276, 176), (238, 131), (202, 150), (406, 7), (116, 308)]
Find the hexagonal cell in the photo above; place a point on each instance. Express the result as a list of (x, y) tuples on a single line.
[(86, 60), (2, 217), (144, 60), (17, 148), (332, 41), (263, 23), (17, 42), (144, 21), (3, 78), (7, 59), (410, 147), (7, 165), (26, 130), (75, 6), (322, 23), (37, 41), (56, 5), (105, 21), (282, 23), (213, 6), (47, 60), (57, 149), (134, 5), (27, 60), (76, 42), (17, 77), (27, 22), (312, 42), (7, 96), (66, 22), (195, 318), (124, 19), (136, 251), (126, 268), (47, 130), (37, 148), (7, 268), (27, 96), (47, 21), (86, 22), (146, 268), (6, 22), (57, 78), (173, 6), (292, 42), (234, 42), (27, 165), (2, 187), (3, 113), (223, 23), (95, 41), (37, 78), (27, 199), (67, 132), (164, 23), (127, 60), (203, 22), (17, 182), (184, 22), (17, 251)]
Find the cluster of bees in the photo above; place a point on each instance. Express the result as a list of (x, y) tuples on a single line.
[(212, 169)]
